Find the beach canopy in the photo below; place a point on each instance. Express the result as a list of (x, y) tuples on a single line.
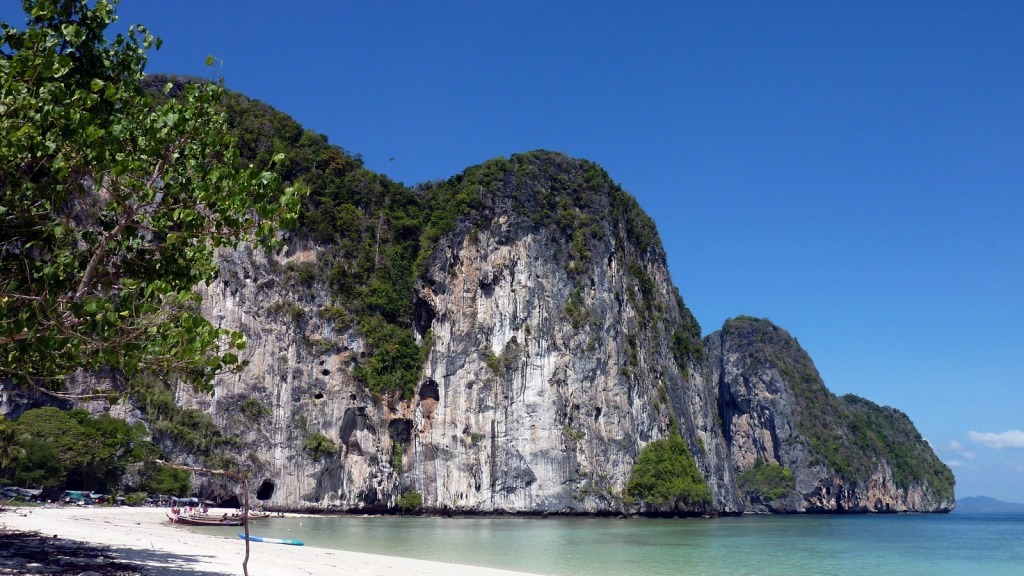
[(14, 491)]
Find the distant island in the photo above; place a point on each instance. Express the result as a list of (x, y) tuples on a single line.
[(986, 505)]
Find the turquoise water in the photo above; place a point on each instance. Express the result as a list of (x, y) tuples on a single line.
[(991, 545)]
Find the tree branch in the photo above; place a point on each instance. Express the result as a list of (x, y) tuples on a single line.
[(97, 257)]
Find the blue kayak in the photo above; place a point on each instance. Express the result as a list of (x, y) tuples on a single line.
[(272, 540)]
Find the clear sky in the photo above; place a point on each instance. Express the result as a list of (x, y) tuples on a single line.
[(852, 171)]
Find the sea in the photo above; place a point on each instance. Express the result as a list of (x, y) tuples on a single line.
[(793, 545)]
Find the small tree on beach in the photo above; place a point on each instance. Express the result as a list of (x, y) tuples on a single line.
[(666, 474), (410, 501)]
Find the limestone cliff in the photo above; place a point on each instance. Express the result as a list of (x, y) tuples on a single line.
[(505, 340), (845, 454), (550, 359), (548, 367)]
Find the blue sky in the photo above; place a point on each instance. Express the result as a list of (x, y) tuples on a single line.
[(851, 170)]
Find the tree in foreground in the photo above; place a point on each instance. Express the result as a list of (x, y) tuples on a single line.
[(112, 205)]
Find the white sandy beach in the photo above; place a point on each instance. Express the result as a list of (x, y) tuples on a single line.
[(144, 537)]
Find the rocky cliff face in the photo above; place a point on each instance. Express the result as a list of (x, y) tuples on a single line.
[(547, 368), (546, 372), (845, 454), (554, 347)]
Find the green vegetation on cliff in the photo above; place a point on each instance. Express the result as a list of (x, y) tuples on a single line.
[(187, 429), (767, 482), (376, 236), (849, 435), (318, 446), (889, 433), (369, 227), (578, 204)]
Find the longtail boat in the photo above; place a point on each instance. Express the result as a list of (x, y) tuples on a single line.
[(203, 520)]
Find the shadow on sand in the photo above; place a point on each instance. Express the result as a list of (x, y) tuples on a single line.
[(34, 553)]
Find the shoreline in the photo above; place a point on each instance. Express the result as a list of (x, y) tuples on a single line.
[(144, 539)]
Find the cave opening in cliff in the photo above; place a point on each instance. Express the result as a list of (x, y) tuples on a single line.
[(430, 391), (266, 490), (400, 430), (423, 317)]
